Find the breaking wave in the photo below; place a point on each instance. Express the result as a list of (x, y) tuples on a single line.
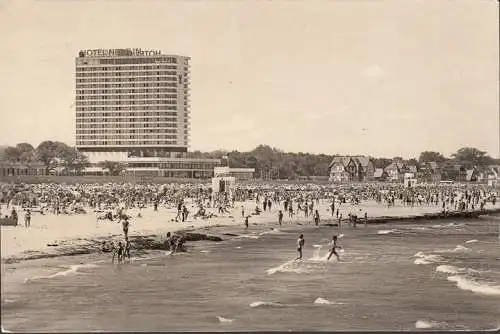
[(224, 320), (266, 304), (423, 324), (323, 301), (248, 236), (423, 258), (448, 225), (387, 231), (71, 270), (467, 284), (457, 249), (292, 266)]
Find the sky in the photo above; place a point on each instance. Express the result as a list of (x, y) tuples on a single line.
[(381, 78)]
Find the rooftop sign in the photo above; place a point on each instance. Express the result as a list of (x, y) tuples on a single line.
[(118, 52)]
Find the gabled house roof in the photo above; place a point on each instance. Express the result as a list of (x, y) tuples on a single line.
[(398, 165), (364, 161), (342, 160)]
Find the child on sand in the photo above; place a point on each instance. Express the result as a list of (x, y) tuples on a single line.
[(27, 218)]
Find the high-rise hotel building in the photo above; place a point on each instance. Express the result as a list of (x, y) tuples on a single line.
[(132, 106)]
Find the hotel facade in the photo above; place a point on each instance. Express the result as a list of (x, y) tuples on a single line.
[(132, 106)]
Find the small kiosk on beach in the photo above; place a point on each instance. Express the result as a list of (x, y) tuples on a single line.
[(222, 184), (410, 180)]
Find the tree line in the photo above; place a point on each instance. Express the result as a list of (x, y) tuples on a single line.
[(269, 162), (274, 163)]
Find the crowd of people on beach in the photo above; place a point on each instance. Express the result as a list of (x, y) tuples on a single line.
[(110, 202)]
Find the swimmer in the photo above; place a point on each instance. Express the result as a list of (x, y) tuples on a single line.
[(333, 247), (300, 246)]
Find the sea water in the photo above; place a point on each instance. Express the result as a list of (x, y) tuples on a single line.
[(417, 276)]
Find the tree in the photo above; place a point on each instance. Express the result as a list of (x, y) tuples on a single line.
[(73, 160), (114, 168), (412, 162), (472, 155), (48, 150), (12, 154), (430, 156), (26, 152)]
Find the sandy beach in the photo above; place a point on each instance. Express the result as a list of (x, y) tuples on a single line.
[(71, 232)]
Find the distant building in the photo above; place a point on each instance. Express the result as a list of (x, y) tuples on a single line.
[(429, 172), (351, 169), (237, 173), (410, 179), (379, 174), (22, 169), (395, 171), (494, 176)]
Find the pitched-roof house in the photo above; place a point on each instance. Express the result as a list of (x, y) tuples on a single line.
[(395, 171), (349, 169)]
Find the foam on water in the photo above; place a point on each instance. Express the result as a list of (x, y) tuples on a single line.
[(71, 270), (471, 241), (224, 320), (4, 330), (387, 231), (447, 269), (457, 249), (447, 225), (323, 301), (423, 324), (421, 261), (248, 236), (152, 257), (292, 266), (423, 258), (266, 304), (272, 231), (317, 255), (8, 301), (467, 284)]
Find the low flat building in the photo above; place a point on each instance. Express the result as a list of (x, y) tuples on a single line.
[(155, 166), (21, 169), (238, 173)]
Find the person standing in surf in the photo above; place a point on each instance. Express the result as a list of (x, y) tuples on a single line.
[(333, 247), (280, 217), (300, 246), (118, 252), (126, 251)]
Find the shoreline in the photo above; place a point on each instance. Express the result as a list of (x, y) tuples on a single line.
[(218, 233)]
